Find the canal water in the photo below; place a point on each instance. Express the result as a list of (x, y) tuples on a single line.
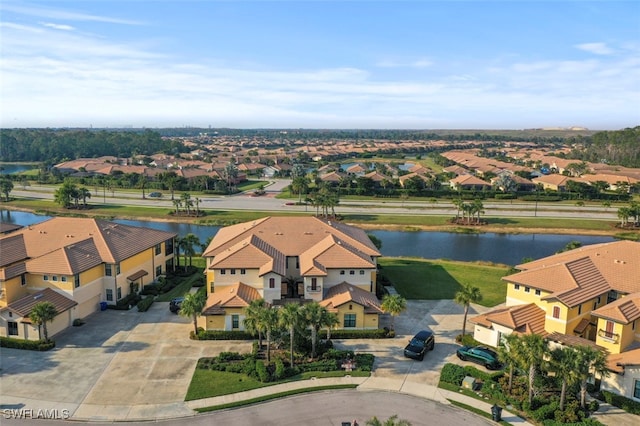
[(509, 249)]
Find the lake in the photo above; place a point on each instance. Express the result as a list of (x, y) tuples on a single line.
[(8, 169), (509, 249)]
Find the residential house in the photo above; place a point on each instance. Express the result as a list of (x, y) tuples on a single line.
[(76, 264), (588, 296), (291, 259), (469, 183), (556, 182)]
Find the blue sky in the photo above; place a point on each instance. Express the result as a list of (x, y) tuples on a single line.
[(320, 64)]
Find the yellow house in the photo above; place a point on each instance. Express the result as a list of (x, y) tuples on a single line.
[(87, 261), (289, 259), (587, 296)]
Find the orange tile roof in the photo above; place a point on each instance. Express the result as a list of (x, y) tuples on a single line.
[(299, 236), (251, 252), (12, 249), (525, 319), (624, 310), (23, 306), (617, 262), (587, 283), (238, 295), (617, 362), (344, 292)]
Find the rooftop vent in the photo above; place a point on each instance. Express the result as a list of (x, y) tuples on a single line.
[(619, 262), (37, 296)]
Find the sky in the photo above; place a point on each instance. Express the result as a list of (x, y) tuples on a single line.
[(320, 64)]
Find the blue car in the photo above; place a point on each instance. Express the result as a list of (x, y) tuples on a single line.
[(480, 355)]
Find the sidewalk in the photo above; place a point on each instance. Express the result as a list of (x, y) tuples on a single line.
[(364, 384)]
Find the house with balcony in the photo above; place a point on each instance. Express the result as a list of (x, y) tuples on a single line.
[(76, 264), (291, 260), (587, 296)]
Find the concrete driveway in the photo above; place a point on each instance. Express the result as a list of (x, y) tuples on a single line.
[(443, 317), (117, 360)]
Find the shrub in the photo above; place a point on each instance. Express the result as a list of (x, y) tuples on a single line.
[(378, 333), (545, 412), (467, 340), (249, 367), (593, 405), (230, 356), (78, 322), (150, 290), (453, 374), (145, 304), (261, 370), (628, 405), (223, 335), (364, 362), (280, 370), (481, 375), (30, 345), (322, 365)]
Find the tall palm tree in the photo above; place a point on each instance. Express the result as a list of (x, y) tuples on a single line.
[(331, 321), (41, 314), (84, 193), (466, 296), (394, 305), (289, 318), (189, 243), (254, 318), (478, 207), (531, 353), (270, 318), (508, 353), (563, 364), (315, 316), (192, 307), (589, 362), (185, 197)]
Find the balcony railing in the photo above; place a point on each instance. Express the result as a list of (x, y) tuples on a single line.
[(310, 289), (608, 336)]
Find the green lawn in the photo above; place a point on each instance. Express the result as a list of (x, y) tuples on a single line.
[(439, 279), (210, 383)]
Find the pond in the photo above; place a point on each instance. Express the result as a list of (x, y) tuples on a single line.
[(7, 168), (508, 249)]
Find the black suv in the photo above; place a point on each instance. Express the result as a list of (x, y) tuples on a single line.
[(421, 343), (174, 305)]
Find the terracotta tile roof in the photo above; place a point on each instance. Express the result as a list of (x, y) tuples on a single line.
[(23, 306), (137, 275), (114, 242), (468, 180), (582, 326), (292, 236), (623, 311), (569, 340), (617, 262), (347, 293), (558, 180), (587, 280), (77, 257), (524, 319), (12, 271), (617, 362), (252, 253), (237, 295), (12, 249)]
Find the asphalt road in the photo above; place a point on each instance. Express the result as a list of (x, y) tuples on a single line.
[(373, 206), (318, 409)]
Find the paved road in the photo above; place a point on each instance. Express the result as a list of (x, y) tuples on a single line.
[(390, 207)]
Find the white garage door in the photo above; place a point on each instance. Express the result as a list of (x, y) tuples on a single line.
[(90, 306)]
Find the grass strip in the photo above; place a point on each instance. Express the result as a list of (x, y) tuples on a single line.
[(476, 411), (272, 396)]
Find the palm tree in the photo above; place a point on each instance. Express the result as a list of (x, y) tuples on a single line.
[(531, 352), (589, 362), (84, 193), (197, 202), (254, 318), (42, 313), (478, 208), (189, 243), (192, 307), (331, 321), (623, 215), (177, 204), (507, 354), (185, 197), (299, 184), (391, 421), (563, 363), (142, 183), (458, 204), (466, 296), (315, 316), (289, 318), (394, 305), (270, 318), (6, 185)]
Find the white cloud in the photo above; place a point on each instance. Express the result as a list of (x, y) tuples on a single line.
[(419, 63), (595, 48), (57, 26), (64, 15)]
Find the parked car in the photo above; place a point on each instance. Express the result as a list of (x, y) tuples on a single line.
[(155, 195), (174, 305), (480, 355), (419, 345)]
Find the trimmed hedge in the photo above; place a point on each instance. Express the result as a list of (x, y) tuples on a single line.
[(145, 304), (627, 404), (378, 333), (220, 335), (29, 345), (453, 374)]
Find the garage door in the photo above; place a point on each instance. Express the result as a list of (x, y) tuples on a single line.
[(90, 306)]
